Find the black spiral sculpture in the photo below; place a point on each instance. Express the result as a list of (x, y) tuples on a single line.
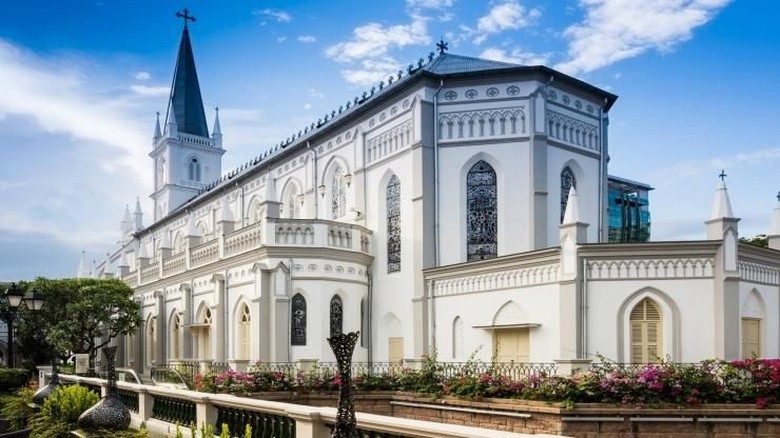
[(343, 345)]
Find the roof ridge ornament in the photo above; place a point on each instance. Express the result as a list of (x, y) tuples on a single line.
[(185, 14), (442, 45)]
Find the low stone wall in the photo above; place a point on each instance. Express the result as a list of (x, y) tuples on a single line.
[(581, 421)]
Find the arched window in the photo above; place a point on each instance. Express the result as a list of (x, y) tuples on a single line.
[(457, 337), (393, 225), (194, 170), (244, 332), (336, 316), (151, 340), (203, 333), (567, 182), (175, 341), (338, 193), (646, 332), (482, 212), (292, 206), (298, 323)]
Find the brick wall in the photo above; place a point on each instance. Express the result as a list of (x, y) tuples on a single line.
[(582, 421)]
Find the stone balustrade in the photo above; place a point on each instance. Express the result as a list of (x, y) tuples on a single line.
[(161, 408), (311, 233)]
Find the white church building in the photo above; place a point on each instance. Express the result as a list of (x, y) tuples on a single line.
[(457, 208)]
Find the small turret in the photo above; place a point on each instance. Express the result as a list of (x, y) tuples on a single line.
[(108, 268), (773, 236), (138, 215), (157, 133), (723, 226), (82, 271), (126, 225), (216, 133)]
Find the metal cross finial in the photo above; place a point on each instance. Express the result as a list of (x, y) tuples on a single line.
[(185, 14), (778, 195), (722, 175), (442, 46)]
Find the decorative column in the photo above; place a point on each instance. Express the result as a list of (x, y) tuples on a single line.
[(343, 345)]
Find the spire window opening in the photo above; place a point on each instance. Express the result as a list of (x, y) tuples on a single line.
[(194, 170)]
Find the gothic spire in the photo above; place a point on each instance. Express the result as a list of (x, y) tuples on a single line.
[(572, 213), (82, 271), (138, 215), (721, 207), (157, 132), (217, 129), (186, 104)]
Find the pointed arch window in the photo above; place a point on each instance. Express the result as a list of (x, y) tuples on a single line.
[(151, 341), (176, 332), (482, 212), (646, 332), (244, 332), (298, 323), (567, 182), (336, 316), (338, 192), (393, 200), (194, 169)]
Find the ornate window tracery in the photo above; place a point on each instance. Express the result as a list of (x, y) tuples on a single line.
[(298, 323), (338, 192), (482, 212), (336, 316), (393, 225), (245, 332), (567, 182)]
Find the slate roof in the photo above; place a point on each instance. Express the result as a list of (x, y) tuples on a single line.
[(186, 102), (453, 64)]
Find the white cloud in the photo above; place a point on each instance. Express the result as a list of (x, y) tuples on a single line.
[(515, 56), (430, 4), (314, 93), (143, 76), (678, 174), (307, 106), (61, 98), (145, 90), (281, 39), (274, 14), (614, 30), (374, 40), (307, 38), (503, 16), (371, 72)]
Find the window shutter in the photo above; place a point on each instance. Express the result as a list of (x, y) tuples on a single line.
[(646, 332)]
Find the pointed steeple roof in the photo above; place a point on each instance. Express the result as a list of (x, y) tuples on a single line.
[(82, 271), (157, 132), (217, 128), (186, 103), (721, 207), (572, 213)]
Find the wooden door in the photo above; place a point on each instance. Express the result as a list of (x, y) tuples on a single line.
[(396, 348), (512, 345), (751, 337)]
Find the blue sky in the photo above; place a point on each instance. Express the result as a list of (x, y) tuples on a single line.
[(80, 82)]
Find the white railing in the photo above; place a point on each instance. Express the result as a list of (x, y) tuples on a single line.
[(204, 253), (243, 240), (304, 421), (285, 232), (175, 264), (194, 139)]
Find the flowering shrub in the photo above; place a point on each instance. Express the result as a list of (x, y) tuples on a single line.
[(745, 381)]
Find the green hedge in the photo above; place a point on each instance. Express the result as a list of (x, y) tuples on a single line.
[(12, 379)]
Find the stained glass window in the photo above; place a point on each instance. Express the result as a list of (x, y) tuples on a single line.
[(338, 193), (298, 332), (567, 182), (394, 225), (336, 316), (482, 212)]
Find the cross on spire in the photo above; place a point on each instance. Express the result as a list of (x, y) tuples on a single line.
[(442, 46), (185, 14), (778, 196), (722, 175)]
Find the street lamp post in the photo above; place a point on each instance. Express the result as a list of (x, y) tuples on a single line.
[(12, 299)]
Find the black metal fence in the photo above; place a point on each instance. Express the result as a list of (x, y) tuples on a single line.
[(263, 425), (174, 410)]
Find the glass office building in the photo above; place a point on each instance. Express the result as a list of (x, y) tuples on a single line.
[(629, 211)]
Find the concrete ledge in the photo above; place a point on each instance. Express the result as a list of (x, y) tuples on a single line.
[(452, 408), (662, 419), (592, 419), (729, 420)]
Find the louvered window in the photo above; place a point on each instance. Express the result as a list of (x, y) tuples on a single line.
[(646, 332), (751, 337)]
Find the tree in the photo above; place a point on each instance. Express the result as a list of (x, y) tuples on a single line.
[(81, 315), (760, 240)]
